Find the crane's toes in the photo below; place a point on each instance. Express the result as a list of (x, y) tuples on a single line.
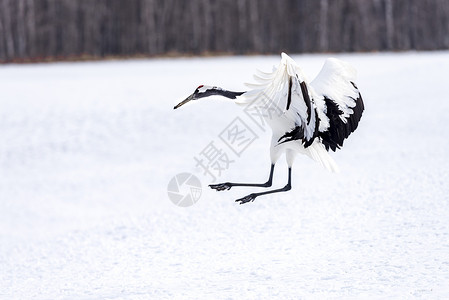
[(246, 199), (221, 186)]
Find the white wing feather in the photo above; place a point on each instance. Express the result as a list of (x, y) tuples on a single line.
[(320, 114), (275, 87), (334, 82), (341, 100)]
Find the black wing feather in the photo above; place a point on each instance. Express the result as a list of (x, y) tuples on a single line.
[(338, 130), (305, 95)]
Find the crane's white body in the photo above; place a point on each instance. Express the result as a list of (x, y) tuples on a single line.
[(274, 90)]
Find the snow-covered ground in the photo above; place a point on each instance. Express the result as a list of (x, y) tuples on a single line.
[(87, 151)]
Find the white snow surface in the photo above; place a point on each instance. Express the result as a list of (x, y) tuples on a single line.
[(87, 151)]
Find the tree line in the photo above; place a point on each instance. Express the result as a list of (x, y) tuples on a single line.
[(61, 29)]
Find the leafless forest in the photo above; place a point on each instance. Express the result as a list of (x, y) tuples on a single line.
[(60, 29)]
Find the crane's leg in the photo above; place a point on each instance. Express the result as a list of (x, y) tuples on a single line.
[(253, 196), (229, 185)]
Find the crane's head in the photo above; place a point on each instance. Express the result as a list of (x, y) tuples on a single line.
[(200, 92)]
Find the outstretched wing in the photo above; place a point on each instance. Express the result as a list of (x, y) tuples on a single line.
[(287, 92), (341, 102)]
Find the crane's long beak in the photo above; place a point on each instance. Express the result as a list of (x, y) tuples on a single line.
[(184, 101)]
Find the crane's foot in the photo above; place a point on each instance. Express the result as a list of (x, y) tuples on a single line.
[(221, 186), (246, 199)]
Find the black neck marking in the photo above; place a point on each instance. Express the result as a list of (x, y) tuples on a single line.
[(221, 92)]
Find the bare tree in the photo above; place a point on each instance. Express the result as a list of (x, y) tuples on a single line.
[(6, 8), (389, 23), (324, 6), (30, 28), (255, 34)]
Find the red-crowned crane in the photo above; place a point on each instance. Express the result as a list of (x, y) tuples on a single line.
[(314, 117)]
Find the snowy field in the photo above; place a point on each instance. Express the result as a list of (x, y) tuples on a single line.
[(87, 151)]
